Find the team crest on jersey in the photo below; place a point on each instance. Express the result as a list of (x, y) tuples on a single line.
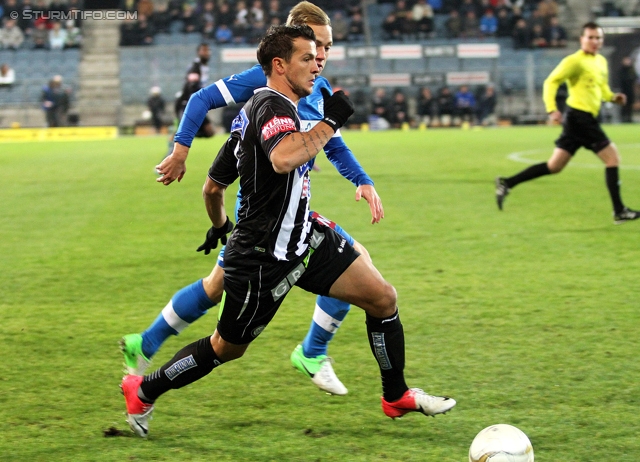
[(277, 125), (240, 123)]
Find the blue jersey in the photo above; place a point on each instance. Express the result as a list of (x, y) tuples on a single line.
[(238, 88)]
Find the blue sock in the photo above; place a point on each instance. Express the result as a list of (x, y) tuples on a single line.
[(327, 317), (187, 305)]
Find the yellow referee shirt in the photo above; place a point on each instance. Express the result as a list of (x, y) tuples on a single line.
[(587, 78)]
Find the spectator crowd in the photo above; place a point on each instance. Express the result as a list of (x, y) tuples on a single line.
[(35, 24)]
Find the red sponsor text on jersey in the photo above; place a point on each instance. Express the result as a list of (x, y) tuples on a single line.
[(277, 125)]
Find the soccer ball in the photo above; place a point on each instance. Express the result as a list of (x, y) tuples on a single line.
[(501, 443)]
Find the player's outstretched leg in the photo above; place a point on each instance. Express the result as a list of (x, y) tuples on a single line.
[(310, 358), (504, 185), (186, 306)]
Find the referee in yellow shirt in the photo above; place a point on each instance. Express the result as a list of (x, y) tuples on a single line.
[(586, 74)]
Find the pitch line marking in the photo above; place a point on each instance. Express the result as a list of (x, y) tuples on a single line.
[(522, 157)]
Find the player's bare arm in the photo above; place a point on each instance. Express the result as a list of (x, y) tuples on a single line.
[(299, 148)]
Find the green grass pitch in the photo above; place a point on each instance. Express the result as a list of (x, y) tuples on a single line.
[(527, 316)]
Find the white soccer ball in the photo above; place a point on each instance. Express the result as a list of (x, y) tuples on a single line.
[(501, 443)]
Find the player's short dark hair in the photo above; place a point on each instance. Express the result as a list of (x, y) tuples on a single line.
[(590, 25), (202, 45), (278, 43)]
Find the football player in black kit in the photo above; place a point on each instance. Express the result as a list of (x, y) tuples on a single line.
[(277, 244)]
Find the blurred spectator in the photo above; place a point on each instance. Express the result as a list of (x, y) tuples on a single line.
[(223, 34), (208, 14), (7, 75), (422, 17), (225, 14), (398, 110), (466, 7), (547, 9), (380, 108), (256, 12), (446, 107), (391, 27), (57, 36), (536, 19), (144, 31), (470, 25), (427, 109), (174, 10), (356, 28), (145, 7), (453, 24), (628, 79), (556, 34), (55, 102), (58, 6), (11, 9), (156, 105), (257, 30), (465, 103), (487, 106), (521, 35), (11, 37), (403, 15), (436, 5), (275, 11), (40, 36), (538, 37), (340, 27), (161, 19), (25, 18), (488, 24), (505, 26), (190, 20), (74, 36)]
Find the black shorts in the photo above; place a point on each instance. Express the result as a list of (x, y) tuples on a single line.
[(254, 290), (581, 129)]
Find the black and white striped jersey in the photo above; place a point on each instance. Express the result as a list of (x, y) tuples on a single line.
[(273, 217)]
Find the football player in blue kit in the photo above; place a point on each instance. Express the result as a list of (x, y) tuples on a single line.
[(193, 301)]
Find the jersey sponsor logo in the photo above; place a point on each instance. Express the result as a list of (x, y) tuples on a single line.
[(180, 366), (322, 220), (277, 125)]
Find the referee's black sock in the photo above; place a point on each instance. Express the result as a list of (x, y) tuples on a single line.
[(386, 339), (188, 365), (527, 174), (613, 184)]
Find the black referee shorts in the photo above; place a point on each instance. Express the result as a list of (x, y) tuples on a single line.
[(581, 129), (254, 290)]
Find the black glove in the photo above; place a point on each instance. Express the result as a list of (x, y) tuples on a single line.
[(211, 242), (337, 108)]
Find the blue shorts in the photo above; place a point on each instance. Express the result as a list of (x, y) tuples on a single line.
[(314, 215)]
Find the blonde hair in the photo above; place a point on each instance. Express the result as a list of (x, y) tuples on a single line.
[(307, 13)]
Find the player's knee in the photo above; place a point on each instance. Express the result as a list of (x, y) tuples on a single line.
[(385, 301)]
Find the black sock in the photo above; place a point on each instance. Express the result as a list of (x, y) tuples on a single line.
[(613, 184), (527, 174), (188, 365), (386, 339)]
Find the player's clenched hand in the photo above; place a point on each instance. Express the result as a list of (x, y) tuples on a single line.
[(368, 192), (211, 241), (620, 99), (337, 108), (173, 167), (555, 116)]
